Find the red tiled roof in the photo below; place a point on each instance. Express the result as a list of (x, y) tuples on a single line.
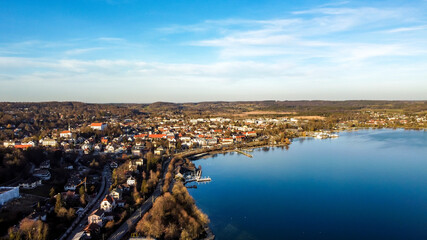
[(93, 227), (96, 124), (109, 199), (251, 132), (23, 146), (157, 135), (140, 135)]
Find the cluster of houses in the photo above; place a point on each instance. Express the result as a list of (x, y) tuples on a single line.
[(98, 218), (39, 174), (165, 132), (106, 210), (192, 132), (178, 130), (387, 120)]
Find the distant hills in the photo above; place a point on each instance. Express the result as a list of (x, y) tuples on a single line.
[(297, 107), (239, 107)]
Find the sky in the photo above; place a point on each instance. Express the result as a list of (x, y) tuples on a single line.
[(129, 51)]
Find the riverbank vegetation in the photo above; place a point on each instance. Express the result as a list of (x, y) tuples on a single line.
[(174, 216)]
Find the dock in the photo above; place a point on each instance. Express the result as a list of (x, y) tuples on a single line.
[(198, 177), (246, 154), (203, 179)]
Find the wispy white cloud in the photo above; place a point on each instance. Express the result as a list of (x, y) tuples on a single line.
[(335, 34), (78, 51), (111, 39), (407, 29)]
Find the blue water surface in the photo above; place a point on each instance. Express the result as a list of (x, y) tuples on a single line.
[(369, 184)]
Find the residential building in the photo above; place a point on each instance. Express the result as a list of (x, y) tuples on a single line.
[(31, 183), (48, 142), (97, 217), (117, 193), (7, 194), (159, 151), (66, 134), (108, 204), (114, 165), (44, 174), (45, 164), (98, 126), (131, 181)]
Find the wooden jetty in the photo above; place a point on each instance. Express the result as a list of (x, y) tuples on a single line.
[(246, 154)]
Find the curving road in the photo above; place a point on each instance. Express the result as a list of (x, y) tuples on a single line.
[(80, 223), (128, 225)]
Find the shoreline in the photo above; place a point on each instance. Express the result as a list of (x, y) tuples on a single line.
[(214, 152), (209, 152)]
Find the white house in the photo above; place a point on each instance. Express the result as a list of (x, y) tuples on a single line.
[(86, 147), (97, 147), (108, 204), (9, 143), (98, 126), (47, 142), (31, 183), (211, 141), (114, 165), (131, 181), (227, 141), (186, 141), (97, 217), (66, 134), (199, 141), (250, 134), (110, 149), (159, 151)]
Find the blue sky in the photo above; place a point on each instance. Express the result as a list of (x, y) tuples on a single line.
[(189, 51)]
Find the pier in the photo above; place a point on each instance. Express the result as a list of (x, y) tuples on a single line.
[(198, 178), (246, 154)]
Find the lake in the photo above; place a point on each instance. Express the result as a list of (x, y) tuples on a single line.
[(368, 184)]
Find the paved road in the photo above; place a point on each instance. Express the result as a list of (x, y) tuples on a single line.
[(128, 225), (80, 223), (136, 216)]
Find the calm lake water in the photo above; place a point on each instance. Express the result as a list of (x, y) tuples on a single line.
[(369, 184)]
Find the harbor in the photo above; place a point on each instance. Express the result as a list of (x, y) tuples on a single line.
[(196, 176)]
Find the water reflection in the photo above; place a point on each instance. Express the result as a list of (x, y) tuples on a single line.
[(347, 188)]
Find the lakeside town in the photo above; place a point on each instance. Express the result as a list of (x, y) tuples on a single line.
[(96, 173)]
